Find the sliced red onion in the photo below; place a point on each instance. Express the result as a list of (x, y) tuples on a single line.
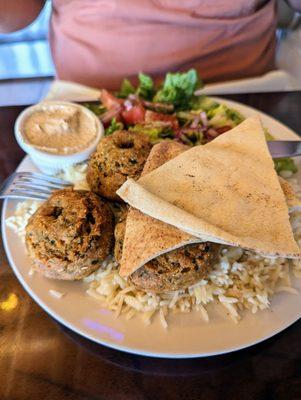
[(191, 129), (195, 122), (155, 106), (178, 134), (128, 105), (204, 118), (133, 97), (109, 115), (161, 123)]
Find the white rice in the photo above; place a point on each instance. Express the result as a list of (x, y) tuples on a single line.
[(18, 221), (76, 175), (241, 280), (57, 294)]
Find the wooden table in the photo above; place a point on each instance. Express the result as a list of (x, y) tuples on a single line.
[(40, 359)]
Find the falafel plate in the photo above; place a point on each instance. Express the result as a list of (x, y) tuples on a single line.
[(180, 209)]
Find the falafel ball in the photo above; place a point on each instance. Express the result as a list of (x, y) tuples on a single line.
[(171, 271), (119, 232), (176, 269), (119, 156), (70, 234)]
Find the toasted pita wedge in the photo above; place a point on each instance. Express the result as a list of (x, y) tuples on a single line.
[(226, 191), (146, 237)]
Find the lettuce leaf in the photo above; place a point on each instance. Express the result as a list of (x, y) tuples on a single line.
[(146, 88), (281, 164), (114, 126), (192, 137), (224, 116), (267, 135), (203, 103), (178, 89), (155, 131), (97, 109), (126, 89), (285, 164)]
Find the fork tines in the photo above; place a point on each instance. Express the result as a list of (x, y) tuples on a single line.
[(31, 186)]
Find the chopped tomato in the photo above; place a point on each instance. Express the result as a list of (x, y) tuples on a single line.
[(109, 101), (134, 115), (152, 116)]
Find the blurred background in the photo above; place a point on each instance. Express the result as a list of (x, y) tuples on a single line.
[(25, 56)]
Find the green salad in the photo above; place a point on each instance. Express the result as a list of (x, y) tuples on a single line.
[(171, 111)]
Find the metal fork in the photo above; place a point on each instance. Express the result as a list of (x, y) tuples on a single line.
[(284, 148), (29, 185)]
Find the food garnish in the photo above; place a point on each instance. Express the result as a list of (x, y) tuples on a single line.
[(171, 111)]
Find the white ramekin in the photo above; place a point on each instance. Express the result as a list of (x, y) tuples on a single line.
[(54, 163)]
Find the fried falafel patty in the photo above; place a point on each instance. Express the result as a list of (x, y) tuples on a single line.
[(119, 232), (70, 234), (119, 156), (176, 269)]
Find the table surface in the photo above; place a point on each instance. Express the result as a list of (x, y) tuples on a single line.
[(41, 359)]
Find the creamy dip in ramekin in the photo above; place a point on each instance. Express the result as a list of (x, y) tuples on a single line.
[(58, 134)]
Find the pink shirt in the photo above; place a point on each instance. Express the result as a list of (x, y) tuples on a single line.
[(99, 42)]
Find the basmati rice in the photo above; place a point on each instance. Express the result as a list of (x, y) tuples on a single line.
[(76, 175), (18, 221), (240, 281), (56, 293)]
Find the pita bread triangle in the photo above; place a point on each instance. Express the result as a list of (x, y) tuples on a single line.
[(146, 237), (226, 191)]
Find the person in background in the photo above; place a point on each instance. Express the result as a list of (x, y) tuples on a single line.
[(99, 42)]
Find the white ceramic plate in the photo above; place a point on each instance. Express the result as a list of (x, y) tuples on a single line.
[(187, 335)]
